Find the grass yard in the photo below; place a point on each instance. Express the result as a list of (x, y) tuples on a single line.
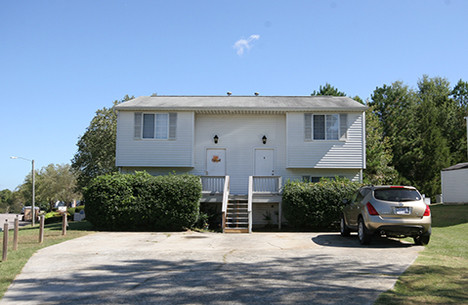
[(28, 244), (440, 273)]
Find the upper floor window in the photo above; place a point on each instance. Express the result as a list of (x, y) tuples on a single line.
[(161, 126), (325, 126)]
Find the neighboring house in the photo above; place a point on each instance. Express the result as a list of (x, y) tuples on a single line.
[(454, 184), (243, 147)]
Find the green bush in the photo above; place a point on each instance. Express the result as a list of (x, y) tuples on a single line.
[(143, 202), (316, 206), (53, 217)]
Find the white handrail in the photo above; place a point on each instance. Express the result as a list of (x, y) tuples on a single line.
[(226, 190), (212, 183), (249, 202), (267, 184)]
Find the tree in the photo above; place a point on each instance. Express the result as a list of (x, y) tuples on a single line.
[(424, 128), (460, 95), (378, 153), (328, 90), (96, 148), (54, 182), (5, 198)]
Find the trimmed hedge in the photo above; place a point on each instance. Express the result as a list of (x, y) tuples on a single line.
[(316, 206), (142, 202)]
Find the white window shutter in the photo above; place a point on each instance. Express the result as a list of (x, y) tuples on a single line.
[(343, 126), (137, 125), (307, 126), (172, 125)]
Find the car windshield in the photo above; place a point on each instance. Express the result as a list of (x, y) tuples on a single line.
[(397, 194)]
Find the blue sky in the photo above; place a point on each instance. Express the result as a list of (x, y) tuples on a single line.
[(60, 61)]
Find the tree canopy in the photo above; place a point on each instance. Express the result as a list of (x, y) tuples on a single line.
[(96, 147), (425, 128), (328, 90)]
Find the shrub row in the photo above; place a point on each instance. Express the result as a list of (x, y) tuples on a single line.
[(316, 206), (142, 202)]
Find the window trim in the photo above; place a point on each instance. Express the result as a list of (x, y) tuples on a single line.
[(309, 130), (171, 126)]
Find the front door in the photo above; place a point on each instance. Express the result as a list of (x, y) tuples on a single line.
[(264, 165), (215, 162)]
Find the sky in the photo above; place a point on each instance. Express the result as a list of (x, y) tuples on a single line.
[(60, 61)]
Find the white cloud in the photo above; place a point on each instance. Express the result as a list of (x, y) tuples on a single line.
[(243, 44)]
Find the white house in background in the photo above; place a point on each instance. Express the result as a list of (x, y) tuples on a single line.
[(243, 147), (455, 183)]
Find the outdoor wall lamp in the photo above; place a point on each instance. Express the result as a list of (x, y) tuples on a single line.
[(215, 139), (264, 139)]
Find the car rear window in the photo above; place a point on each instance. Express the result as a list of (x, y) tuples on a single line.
[(397, 194)]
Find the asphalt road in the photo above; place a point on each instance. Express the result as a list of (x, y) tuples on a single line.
[(10, 219), (210, 268)]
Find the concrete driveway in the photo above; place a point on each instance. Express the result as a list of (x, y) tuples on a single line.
[(210, 268)]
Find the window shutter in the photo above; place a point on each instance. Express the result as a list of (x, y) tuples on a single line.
[(137, 126), (172, 126), (343, 126), (307, 126)]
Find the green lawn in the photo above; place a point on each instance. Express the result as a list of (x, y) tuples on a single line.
[(440, 273), (28, 244)]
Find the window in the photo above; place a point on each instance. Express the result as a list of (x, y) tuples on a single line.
[(325, 126), (160, 126), (315, 179), (397, 194)]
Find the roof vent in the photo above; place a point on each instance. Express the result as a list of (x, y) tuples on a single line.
[(229, 93), (256, 93)]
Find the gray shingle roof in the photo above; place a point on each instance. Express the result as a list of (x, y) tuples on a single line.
[(242, 103), (456, 166)]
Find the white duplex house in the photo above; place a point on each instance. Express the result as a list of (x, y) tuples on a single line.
[(243, 147)]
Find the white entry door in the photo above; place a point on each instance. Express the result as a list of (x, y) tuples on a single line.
[(215, 162), (264, 165)]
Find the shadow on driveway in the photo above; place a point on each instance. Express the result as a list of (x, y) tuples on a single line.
[(334, 240), (194, 268)]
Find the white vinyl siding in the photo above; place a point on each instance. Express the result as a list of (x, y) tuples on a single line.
[(454, 184), (133, 150)]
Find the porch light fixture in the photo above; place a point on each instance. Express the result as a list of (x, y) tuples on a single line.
[(264, 139), (215, 139)]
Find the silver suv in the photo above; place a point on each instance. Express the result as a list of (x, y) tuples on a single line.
[(391, 211)]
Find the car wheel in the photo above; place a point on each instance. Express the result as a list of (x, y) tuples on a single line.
[(423, 239), (363, 234), (344, 230)]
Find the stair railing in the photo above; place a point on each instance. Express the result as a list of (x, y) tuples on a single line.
[(226, 190), (249, 202)]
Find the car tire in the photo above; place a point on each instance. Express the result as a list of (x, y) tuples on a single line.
[(344, 230), (423, 239), (363, 233)]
